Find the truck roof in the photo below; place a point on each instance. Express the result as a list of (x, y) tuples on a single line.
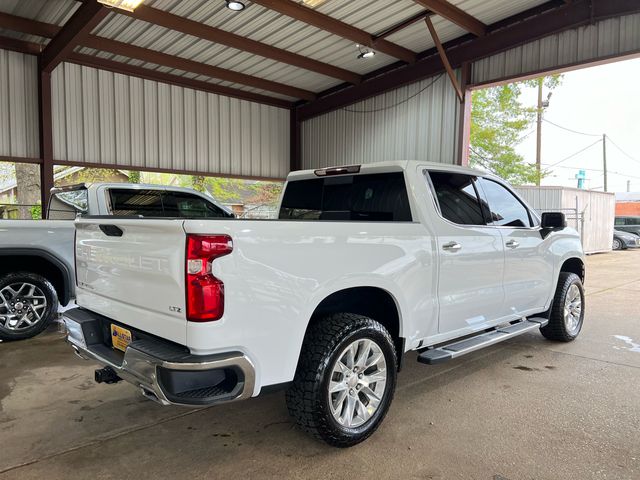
[(387, 166)]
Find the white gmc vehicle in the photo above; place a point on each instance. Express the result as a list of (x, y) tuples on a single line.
[(364, 264)]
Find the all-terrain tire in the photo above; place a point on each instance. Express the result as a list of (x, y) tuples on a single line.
[(45, 293), (560, 328), (308, 396)]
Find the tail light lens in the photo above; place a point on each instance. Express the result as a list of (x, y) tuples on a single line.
[(205, 293)]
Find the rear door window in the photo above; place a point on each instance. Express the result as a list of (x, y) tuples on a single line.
[(505, 209), (457, 198), (378, 197)]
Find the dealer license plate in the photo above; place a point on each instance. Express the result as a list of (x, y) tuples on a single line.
[(120, 337)]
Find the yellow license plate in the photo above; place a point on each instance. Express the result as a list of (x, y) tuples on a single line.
[(120, 337)]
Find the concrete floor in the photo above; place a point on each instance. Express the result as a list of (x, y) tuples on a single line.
[(524, 409)]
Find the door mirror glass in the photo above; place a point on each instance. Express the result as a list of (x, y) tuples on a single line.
[(553, 220)]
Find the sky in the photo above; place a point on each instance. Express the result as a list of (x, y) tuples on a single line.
[(595, 100)]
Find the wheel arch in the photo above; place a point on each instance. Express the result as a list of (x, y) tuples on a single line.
[(42, 263), (574, 265), (373, 302)]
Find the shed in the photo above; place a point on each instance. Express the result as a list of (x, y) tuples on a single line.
[(590, 212)]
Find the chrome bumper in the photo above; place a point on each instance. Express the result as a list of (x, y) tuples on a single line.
[(143, 361)]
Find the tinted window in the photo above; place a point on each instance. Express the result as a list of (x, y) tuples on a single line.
[(457, 198), (180, 204), (376, 197), (619, 221), (505, 209), (156, 203), (147, 203)]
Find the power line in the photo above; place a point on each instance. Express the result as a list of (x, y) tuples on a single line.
[(598, 170), (622, 151), (571, 130), (576, 153)]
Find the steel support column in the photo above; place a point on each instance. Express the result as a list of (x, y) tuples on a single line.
[(464, 118), (295, 150), (46, 136)]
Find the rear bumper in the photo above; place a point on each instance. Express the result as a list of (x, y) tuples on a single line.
[(164, 372)]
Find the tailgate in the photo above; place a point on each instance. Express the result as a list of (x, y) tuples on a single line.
[(132, 271)]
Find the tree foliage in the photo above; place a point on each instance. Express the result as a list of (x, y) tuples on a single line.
[(499, 121)]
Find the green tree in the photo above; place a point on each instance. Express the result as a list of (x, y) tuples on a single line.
[(134, 176), (499, 122)]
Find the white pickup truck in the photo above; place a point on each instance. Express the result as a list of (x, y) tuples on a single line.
[(36, 256), (364, 264)]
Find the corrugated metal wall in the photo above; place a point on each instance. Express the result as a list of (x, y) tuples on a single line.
[(591, 213), (101, 117), (418, 122), (18, 105), (615, 36)]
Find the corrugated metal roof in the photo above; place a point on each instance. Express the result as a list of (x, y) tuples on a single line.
[(272, 28)]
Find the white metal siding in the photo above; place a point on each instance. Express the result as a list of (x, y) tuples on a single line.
[(415, 122), (107, 118), (18, 105), (595, 212), (615, 36)]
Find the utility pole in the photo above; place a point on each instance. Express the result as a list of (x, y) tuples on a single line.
[(539, 132), (604, 159)]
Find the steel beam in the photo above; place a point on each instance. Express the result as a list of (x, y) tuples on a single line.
[(180, 81), (45, 131), (524, 27), (325, 22), (216, 35), (455, 15), (85, 19), (444, 59), (48, 30)]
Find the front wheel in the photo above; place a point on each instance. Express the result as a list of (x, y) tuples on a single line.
[(567, 311), (617, 244), (345, 379), (28, 303)]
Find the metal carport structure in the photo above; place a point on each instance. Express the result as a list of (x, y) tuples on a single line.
[(192, 87)]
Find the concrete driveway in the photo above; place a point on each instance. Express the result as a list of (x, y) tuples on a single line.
[(524, 409)]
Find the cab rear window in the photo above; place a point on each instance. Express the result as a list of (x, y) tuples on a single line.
[(379, 197), (159, 203)]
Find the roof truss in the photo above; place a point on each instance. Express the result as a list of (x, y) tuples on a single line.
[(455, 15), (216, 35), (85, 19), (344, 30)]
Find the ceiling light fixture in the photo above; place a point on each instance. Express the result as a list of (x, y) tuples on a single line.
[(128, 5), (235, 5), (365, 52)]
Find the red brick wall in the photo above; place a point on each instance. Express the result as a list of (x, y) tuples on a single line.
[(630, 209)]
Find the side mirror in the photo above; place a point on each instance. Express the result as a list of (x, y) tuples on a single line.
[(553, 220)]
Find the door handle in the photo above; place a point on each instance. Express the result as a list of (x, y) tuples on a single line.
[(111, 230), (451, 246), (512, 244)]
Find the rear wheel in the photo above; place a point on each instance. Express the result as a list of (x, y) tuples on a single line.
[(28, 304), (345, 379), (567, 311)]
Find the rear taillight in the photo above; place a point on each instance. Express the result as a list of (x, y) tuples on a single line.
[(205, 293)]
